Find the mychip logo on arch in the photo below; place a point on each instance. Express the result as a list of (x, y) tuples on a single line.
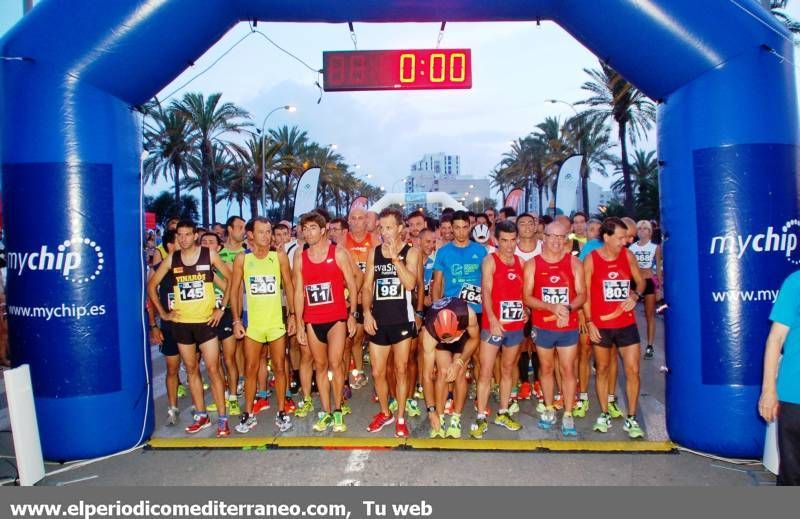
[(78, 260), (772, 240)]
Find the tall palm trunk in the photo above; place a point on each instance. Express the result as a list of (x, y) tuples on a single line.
[(540, 189), (212, 195), (626, 170), (253, 203), (205, 176), (177, 176), (527, 192)]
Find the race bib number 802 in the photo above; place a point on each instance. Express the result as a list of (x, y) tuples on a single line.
[(555, 295)]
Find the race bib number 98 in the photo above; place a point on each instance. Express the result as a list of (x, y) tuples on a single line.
[(511, 311), (555, 295), (263, 285), (616, 291), (470, 293), (388, 288), (191, 290), (319, 294)]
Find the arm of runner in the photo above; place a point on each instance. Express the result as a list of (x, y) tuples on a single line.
[(288, 289), (580, 285), (437, 285), (588, 270), (636, 274), (487, 283), (407, 271), (236, 302), (152, 289), (299, 297), (345, 262), (459, 363), (156, 335), (367, 293), (768, 402)]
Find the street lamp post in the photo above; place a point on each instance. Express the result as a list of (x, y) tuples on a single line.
[(571, 106), (288, 108)]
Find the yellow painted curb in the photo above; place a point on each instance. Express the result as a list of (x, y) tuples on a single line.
[(232, 442), (348, 443)]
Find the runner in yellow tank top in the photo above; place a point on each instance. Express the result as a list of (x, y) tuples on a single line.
[(264, 273)]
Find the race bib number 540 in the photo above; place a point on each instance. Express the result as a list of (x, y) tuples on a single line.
[(262, 285)]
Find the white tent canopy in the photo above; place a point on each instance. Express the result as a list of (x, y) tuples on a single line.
[(433, 197)]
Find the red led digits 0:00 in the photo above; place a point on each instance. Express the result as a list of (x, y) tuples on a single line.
[(418, 69)]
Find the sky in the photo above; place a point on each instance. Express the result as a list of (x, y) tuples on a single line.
[(516, 67)]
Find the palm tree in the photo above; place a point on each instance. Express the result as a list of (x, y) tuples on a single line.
[(291, 163), (591, 139), (613, 98), (776, 7), (170, 142), (556, 149), (211, 120), (644, 177)]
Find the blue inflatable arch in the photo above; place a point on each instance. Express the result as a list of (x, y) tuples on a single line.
[(727, 135)]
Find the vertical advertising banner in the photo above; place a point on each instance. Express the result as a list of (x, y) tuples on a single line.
[(61, 280), (305, 197), (515, 199), (566, 190), (748, 243)]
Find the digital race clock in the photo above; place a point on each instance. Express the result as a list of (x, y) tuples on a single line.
[(418, 69)]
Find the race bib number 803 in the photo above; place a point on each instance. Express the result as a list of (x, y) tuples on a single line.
[(616, 291)]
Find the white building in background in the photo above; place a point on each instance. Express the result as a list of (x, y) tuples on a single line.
[(442, 172)]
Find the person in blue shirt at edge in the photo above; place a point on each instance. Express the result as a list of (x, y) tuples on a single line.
[(780, 389), (457, 273)]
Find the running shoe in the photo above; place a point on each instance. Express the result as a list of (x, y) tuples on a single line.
[(205, 385), (306, 408), (448, 406), (412, 408), (223, 429), (172, 415), (478, 429), (360, 380), (233, 408), (400, 429), (540, 407), (632, 428), (505, 420), (537, 390), (558, 403), (212, 407), (614, 411), (324, 421), (201, 422), (418, 392), (346, 409), (454, 428), (547, 419), (246, 423), (524, 392), (568, 426), (513, 408), (581, 406), (603, 423), (436, 433), (294, 385), (181, 391), (392, 405), (338, 422), (379, 421), (473, 391), (649, 351), (260, 404), (283, 421), (289, 406), (347, 392), (487, 411), (240, 386)]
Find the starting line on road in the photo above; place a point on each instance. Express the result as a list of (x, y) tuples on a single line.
[(347, 443)]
